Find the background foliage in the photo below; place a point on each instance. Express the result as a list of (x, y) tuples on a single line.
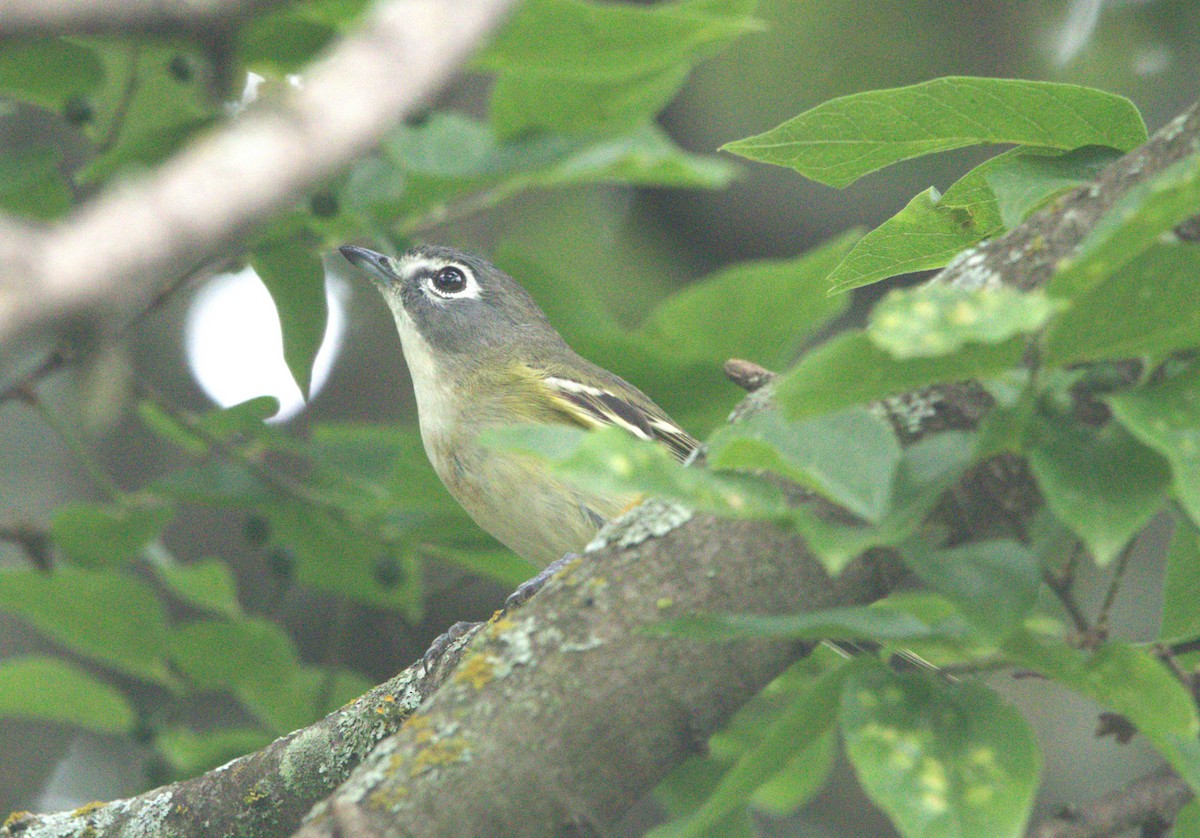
[(215, 581)]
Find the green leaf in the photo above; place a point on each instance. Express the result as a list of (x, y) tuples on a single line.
[(934, 320), (282, 41), (1181, 590), (802, 724), (1126, 680), (571, 66), (190, 753), (799, 780), (31, 183), (1166, 417), (815, 454), (144, 112), (1130, 226), (167, 427), (850, 370), (1187, 822), (453, 157), (108, 535), (994, 583), (755, 310), (925, 234), (995, 195), (253, 659), (57, 691), (1148, 307), (843, 139), (940, 759), (207, 583), (290, 266), (1031, 177), (48, 71), (1100, 482), (105, 615)]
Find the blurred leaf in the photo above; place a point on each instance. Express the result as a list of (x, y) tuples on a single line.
[(940, 759), (1130, 226), (1150, 306), (994, 583), (1181, 589), (255, 660), (927, 469), (613, 461), (98, 535), (755, 310), (1100, 482), (167, 427), (224, 654), (48, 71), (424, 168), (54, 690), (933, 320), (802, 724), (1031, 177), (843, 139), (289, 264), (31, 183), (574, 67), (191, 753), (105, 615), (144, 112), (1126, 680), (814, 453), (1187, 822), (850, 370), (207, 583), (800, 779), (1166, 417), (282, 40), (244, 419)]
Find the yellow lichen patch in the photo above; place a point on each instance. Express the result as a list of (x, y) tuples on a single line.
[(88, 808), (421, 727), (476, 671), (256, 793), (500, 624), (17, 817), (664, 602), (444, 752)]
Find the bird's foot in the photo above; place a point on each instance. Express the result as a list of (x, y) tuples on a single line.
[(528, 588)]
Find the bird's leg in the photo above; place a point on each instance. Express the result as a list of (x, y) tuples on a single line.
[(528, 588)]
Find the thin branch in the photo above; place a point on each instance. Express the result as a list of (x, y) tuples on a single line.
[(123, 17), (1150, 801), (267, 792), (132, 239)]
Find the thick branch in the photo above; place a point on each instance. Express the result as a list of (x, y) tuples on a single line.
[(123, 17), (264, 793), (562, 716), (133, 237)]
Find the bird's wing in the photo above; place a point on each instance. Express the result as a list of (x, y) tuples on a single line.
[(596, 407)]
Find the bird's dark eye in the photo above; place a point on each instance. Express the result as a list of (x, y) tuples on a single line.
[(449, 280)]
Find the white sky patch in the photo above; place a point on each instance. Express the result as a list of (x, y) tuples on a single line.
[(235, 347)]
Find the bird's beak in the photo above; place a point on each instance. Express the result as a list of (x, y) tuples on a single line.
[(378, 266)]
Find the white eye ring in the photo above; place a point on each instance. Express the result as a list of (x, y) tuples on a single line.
[(452, 282)]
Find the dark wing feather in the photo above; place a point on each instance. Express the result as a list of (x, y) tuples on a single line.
[(596, 407)]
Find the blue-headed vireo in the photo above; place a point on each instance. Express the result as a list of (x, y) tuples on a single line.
[(482, 354)]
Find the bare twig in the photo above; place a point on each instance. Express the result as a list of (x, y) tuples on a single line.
[(121, 17), (1150, 801), (132, 239)]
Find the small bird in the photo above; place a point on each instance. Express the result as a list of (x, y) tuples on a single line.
[(482, 354)]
